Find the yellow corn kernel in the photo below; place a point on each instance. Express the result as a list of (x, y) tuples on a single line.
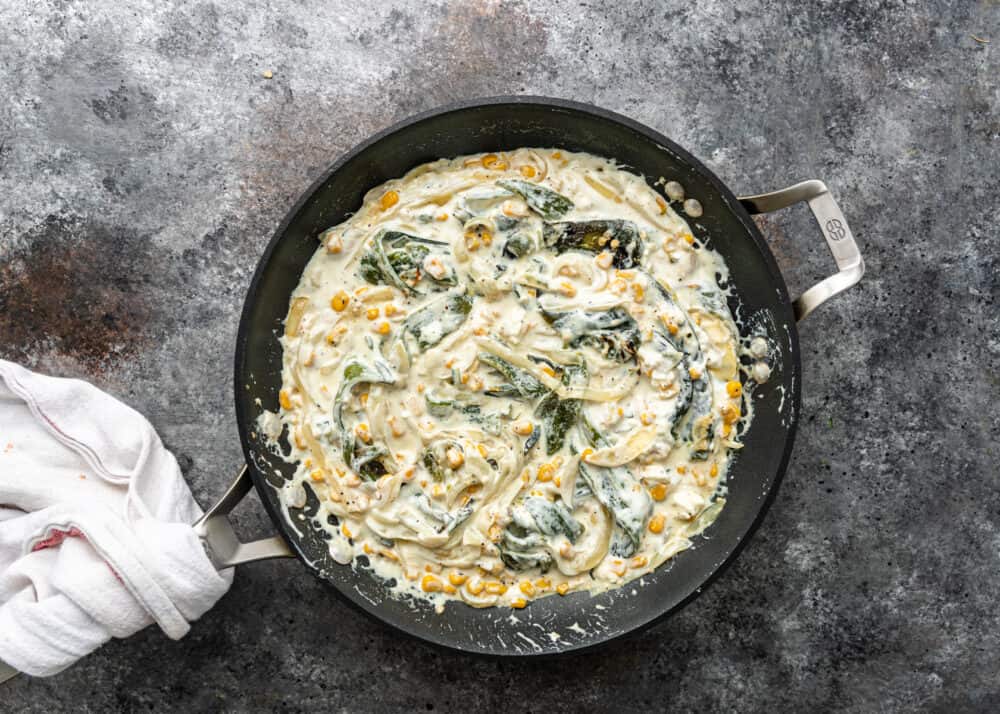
[(475, 586), (483, 451), (604, 260), (430, 584), (340, 301), (284, 400), (334, 244), (689, 239), (694, 372), (384, 328), (391, 310), (361, 431), (713, 470), (638, 291), (618, 568), (656, 524), (363, 398), (562, 588), (528, 171), (455, 458), (543, 583), (528, 588), (546, 472), (457, 579), (442, 217), (495, 588), (619, 286), (662, 205), (586, 453), (646, 418), (730, 414), (734, 389), (368, 549), (316, 475), (449, 589), (658, 492), (489, 160), (519, 603), (682, 469), (556, 154), (372, 313), (421, 388), (523, 428), (567, 288), (388, 200), (639, 561), (346, 531)]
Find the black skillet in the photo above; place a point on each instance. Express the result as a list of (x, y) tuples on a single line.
[(553, 624)]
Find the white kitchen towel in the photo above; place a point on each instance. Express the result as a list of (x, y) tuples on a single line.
[(95, 525)]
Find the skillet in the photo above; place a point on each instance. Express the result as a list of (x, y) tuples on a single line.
[(759, 296)]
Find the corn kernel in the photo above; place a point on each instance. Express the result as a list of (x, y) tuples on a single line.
[(372, 313), (638, 291), (556, 154), (391, 310), (604, 260), (523, 428), (639, 561), (689, 239), (363, 398), (334, 243), (519, 603), (316, 475), (449, 589), (730, 414), (430, 584), (455, 458), (483, 451), (734, 389), (361, 431), (489, 160), (528, 588), (682, 469), (457, 579), (528, 171), (662, 205), (543, 583), (694, 372), (658, 492), (442, 217), (384, 328), (495, 588), (388, 200), (284, 400), (562, 588), (475, 586), (713, 470), (340, 301), (656, 524), (646, 418), (586, 453), (546, 472), (346, 531), (567, 288)]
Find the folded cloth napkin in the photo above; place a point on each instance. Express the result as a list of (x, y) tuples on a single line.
[(95, 526)]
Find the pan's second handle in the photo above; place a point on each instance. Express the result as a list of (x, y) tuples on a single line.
[(223, 547), (835, 229)]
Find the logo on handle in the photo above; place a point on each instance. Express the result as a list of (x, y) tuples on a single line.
[(835, 229)]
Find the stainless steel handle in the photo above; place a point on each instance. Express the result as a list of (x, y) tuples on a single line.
[(223, 547), (835, 229), (7, 672)]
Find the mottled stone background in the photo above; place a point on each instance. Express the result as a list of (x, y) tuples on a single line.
[(145, 161)]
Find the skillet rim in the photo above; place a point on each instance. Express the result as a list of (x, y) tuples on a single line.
[(244, 420)]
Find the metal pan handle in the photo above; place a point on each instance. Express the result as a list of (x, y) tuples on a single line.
[(838, 236), (216, 532)]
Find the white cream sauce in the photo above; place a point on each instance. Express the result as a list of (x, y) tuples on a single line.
[(454, 320)]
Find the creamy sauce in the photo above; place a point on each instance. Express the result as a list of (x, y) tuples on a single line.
[(509, 376)]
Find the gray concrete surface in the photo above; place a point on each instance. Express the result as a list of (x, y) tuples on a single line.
[(145, 161)]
